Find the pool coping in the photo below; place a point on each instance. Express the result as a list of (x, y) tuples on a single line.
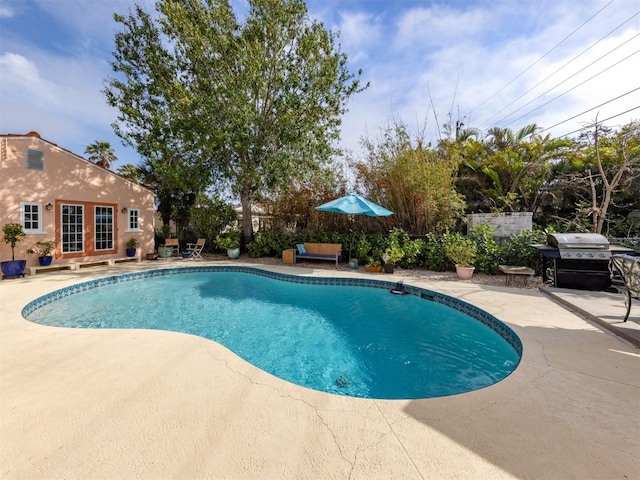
[(164, 405)]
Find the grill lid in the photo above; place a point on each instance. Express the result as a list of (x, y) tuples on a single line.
[(578, 240), (585, 246)]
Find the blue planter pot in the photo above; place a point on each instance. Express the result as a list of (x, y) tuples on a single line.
[(45, 261), (13, 268), (233, 253), (131, 252)]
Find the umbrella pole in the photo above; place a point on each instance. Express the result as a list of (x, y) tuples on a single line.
[(350, 242)]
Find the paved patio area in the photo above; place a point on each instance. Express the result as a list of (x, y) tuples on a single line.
[(604, 308), (122, 404)]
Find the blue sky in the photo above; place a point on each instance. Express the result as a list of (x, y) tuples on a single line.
[(491, 63)]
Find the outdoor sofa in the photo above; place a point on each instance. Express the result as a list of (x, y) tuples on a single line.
[(318, 251)]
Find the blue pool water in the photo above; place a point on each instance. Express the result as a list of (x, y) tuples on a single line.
[(348, 340)]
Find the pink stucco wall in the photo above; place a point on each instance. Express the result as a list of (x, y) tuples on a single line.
[(67, 178)]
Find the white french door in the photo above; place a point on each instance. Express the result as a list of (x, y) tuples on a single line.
[(85, 229), (71, 228), (103, 228)]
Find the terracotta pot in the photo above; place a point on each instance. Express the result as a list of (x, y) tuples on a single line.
[(464, 273), (373, 269)]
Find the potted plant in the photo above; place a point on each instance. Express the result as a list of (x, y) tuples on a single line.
[(462, 252), (43, 250), (231, 243), (12, 234), (373, 265), (390, 257), (164, 250), (131, 246)]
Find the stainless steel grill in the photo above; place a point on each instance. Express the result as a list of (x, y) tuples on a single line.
[(580, 260)]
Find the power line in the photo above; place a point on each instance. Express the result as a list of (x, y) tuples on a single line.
[(567, 79), (566, 64), (571, 89), (600, 121), (540, 59), (589, 110)]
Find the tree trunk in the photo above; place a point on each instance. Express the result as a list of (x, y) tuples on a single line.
[(164, 209), (247, 221)]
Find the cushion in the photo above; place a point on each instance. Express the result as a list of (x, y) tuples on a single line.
[(301, 249)]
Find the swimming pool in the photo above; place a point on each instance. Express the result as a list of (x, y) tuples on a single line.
[(340, 335)]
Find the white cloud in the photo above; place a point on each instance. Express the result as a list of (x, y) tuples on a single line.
[(436, 26), (6, 11), (19, 71), (55, 84), (359, 31)]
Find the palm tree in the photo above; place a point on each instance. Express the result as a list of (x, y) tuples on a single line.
[(131, 172), (101, 154)]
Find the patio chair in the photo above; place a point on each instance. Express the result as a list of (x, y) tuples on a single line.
[(174, 243), (628, 269), (195, 249)]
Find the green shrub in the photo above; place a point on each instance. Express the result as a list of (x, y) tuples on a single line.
[(270, 244), (412, 251), (432, 256), (518, 250), (362, 248), (229, 240), (487, 250)]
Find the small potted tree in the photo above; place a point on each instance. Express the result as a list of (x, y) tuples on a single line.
[(231, 243), (390, 257), (131, 246), (43, 250), (462, 252), (12, 234)]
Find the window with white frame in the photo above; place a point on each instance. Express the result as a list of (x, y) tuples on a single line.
[(31, 217), (133, 222)]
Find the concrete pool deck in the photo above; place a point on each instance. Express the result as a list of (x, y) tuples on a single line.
[(80, 403)]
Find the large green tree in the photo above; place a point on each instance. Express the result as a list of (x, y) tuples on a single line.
[(252, 102)]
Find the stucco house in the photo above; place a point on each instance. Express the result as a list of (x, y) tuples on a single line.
[(57, 195)]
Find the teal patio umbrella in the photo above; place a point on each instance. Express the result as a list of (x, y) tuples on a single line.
[(354, 204)]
